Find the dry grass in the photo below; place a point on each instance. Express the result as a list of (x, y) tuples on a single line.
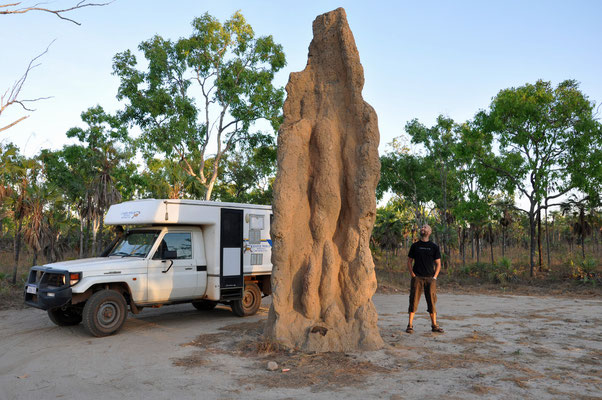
[(483, 390), (394, 278), (11, 296)]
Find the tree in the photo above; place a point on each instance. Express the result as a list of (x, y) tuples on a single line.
[(411, 177), (440, 142), (202, 93), (542, 136), (103, 155), (248, 175), (106, 141), (165, 179)]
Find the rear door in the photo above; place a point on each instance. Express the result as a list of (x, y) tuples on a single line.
[(231, 245)]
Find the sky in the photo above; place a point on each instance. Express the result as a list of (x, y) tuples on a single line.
[(420, 59)]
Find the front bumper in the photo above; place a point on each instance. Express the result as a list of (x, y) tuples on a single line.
[(47, 288)]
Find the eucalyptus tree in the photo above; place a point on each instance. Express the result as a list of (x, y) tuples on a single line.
[(409, 176), (537, 139), (94, 173), (440, 141), (200, 96), (106, 141), (165, 179), (248, 175)]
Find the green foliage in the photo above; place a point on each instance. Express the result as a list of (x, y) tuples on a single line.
[(248, 175), (584, 270), (202, 92)]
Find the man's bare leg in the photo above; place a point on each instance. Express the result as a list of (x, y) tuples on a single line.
[(433, 319)]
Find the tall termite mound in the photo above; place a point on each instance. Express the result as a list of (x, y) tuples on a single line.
[(324, 201)]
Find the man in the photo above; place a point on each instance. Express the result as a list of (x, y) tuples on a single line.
[(426, 258)]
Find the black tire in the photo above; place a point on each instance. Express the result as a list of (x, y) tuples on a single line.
[(65, 316), (104, 313), (204, 305), (250, 302)]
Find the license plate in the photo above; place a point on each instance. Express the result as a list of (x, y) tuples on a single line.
[(32, 289)]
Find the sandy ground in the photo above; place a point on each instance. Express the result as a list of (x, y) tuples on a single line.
[(510, 347)]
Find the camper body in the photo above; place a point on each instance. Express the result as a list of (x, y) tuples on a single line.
[(173, 251)]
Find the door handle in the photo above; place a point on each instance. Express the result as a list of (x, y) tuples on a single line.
[(188, 268), (171, 261)]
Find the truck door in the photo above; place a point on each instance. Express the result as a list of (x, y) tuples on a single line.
[(231, 245), (172, 272)]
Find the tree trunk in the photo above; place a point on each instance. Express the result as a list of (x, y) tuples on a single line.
[(503, 241), (87, 238), (81, 237), (539, 247), (491, 244), (548, 240), (101, 244), (95, 225), (472, 244), (35, 258), (17, 248), (582, 222), (477, 234), (532, 243)]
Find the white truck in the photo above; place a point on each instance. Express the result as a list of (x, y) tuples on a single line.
[(173, 251)]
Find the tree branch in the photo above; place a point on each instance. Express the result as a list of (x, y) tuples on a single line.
[(11, 96), (81, 4)]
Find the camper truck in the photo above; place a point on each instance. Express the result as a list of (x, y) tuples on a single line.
[(170, 252)]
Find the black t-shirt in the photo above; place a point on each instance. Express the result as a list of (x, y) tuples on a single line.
[(424, 255)]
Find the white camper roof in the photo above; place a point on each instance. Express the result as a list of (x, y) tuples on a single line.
[(183, 212)]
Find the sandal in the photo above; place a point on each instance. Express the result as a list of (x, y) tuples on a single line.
[(437, 328), (410, 329)]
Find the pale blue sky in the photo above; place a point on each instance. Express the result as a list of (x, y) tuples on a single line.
[(420, 59)]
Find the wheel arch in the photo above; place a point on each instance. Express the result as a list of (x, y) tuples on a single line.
[(119, 286)]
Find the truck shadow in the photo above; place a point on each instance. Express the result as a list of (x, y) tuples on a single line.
[(183, 316)]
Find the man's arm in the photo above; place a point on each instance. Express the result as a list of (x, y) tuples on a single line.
[(410, 260), (437, 267)]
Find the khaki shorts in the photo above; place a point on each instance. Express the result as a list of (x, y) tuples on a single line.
[(429, 287)]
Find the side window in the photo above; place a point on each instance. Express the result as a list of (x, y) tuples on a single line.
[(180, 242), (256, 225)]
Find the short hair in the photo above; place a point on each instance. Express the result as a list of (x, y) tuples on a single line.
[(427, 227)]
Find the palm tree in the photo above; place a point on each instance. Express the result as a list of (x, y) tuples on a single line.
[(581, 227)]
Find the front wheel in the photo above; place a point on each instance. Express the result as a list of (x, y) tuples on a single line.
[(250, 302), (65, 316), (104, 313)]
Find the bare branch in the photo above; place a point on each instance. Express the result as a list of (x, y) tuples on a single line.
[(11, 96), (13, 123), (58, 13)]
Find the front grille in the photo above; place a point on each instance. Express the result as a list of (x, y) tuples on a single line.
[(47, 279), (52, 280)]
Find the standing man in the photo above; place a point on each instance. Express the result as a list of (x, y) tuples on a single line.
[(426, 258)]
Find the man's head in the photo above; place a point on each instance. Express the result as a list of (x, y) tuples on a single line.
[(425, 231)]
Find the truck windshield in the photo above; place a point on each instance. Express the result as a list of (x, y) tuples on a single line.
[(135, 244)]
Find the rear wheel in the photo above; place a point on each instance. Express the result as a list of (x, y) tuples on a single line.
[(250, 302), (104, 313), (204, 305), (65, 316)]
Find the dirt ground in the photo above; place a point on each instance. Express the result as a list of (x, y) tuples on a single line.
[(510, 347)]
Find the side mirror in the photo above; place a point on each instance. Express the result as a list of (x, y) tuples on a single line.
[(170, 255)]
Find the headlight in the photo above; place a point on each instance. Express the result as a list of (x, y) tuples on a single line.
[(74, 277)]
